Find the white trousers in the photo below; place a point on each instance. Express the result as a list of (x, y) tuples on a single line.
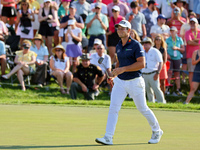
[(136, 89)]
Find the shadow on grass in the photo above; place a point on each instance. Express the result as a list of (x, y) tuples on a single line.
[(61, 146)]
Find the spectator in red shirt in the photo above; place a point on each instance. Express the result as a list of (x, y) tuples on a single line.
[(176, 20)]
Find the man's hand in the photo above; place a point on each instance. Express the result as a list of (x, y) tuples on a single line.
[(175, 48), (156, 76), (110, 81), (117, 71), (84, 88)]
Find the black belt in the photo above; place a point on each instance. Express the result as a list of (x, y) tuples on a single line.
[(149, 73)]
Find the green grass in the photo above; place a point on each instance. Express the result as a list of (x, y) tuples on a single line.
[(55, 127)]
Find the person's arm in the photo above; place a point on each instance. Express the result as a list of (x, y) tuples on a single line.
[(2, 56), (193, 42), (91, 21), (53, 17), (158, 71), (194, 61), (181, 49), (16, 61), (77, 38), (67, 66), (144, 31), (19, 15), (165, 56), (77, 80), (101, 22), (133, 67), (40, 17)]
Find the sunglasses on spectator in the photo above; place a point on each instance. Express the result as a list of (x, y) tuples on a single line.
[(38, 39), (97, 8), (114, 11), (192, 22), (100, 48), (26, 47), (58, 50), (158, 39), (24, 4)]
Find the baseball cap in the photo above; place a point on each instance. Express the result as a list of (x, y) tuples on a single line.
[(72, 6), (147, 40), (47, 1), (152, 2), (194, 19), (97, 41), (124, 23), (85, 56), (98, 5), (173, 28), (71, 22), (116, 8), (161, 16)]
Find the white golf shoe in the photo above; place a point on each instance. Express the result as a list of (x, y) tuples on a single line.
[(156, 136), (104, 140)]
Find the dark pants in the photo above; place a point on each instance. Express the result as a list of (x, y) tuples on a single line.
[(102, 37), (75, 87), (40, 75)]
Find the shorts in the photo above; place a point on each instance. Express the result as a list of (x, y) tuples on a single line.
[(184, 60), (31, 70), (56, 28), (175, 65), (9, 12), (189, 65), (113, 39), (46, 30)]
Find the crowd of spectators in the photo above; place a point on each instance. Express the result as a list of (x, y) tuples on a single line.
[(56, 34)]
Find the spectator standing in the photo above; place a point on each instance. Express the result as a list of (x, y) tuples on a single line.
[(2, 55), (113, 37), (25, 17), (123, 8), (166, 7), (134, 35), (97, 24), (160, 28), (41, 60), (137, 20), (59, 68), (176, 20), (25, 60), (104, 9), (144, 5), (8, 11), (82, 7), (196, 76), (63, 9), (175, 47), (151, 71), (73, 37), (87, 79), (192, 38), (160, 44), (151, 15), (180, 4)]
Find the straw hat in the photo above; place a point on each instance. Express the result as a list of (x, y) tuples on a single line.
[(147, 40), (38, 36), (26, 43), (58, 47)]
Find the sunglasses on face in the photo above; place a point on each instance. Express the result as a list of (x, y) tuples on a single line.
[(114, 11), (122, 29), (192, 22), (58, 50), (158, 39), (37, 39), (97, 8), (100, 48), (24, 4), (26, 47)]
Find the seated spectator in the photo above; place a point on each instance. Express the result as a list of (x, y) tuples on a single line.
[(41, 61), (25, 17), (2, 55), (134, 35), (196, 75), (73, 37), (161, 45), (175, 47), (87, 79), (137, 20), (181, 4), (113, 37), (176, 20), (104, 9), (151, 71), (59, 68), (3, 28), (25, 60), (97, 24), (151, 15), (160, 28), (123, 8)]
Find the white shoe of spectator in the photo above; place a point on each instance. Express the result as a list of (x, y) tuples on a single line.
[(104, 140), (156, 136)]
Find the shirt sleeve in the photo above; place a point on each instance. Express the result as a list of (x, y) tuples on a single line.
[(105, 20), (46, 51), (88, 19), (181, 41), (139, 51), (143, 19), (158, 56)]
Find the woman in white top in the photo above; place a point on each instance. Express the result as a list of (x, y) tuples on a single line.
[(59, 65), (73, 37)]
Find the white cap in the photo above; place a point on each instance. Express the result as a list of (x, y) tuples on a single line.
[(116, 8), (97, 41), (124, 23), (47, 1), (71, 22), (194, 19)]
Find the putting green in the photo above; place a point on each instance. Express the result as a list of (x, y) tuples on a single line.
[(47, 127)]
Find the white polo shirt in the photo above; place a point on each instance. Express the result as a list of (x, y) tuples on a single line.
[(107, 61), (152, 57), (160, 30)]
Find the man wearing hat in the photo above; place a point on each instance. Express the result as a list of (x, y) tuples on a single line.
[(87, 79), (160, 27), (128, 80), (104, 9), (97, 24), (192, 38), (151, 71)]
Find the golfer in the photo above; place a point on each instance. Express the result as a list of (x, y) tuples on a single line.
[(128, 80)]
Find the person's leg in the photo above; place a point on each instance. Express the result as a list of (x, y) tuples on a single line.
[(91, 42), (162, 85), (190, 79), (149, 91), (59, 76), (89, 95), (117, 97), (112, 51), (3, 65), (177, 80), (49, 44), (13, 71), (75, 63), (20, 76), (69, 78), (4, 19), (192, 91), (56, 38), (75, 87)]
